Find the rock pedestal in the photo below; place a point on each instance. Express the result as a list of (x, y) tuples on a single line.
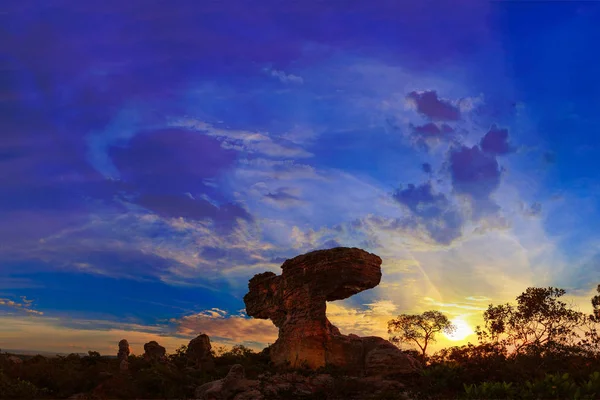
[(199, 353), (123, 353), (296, 303)]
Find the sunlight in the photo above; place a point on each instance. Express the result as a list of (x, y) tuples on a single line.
[(462, 330)]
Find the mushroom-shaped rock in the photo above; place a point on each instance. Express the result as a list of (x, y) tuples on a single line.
[(199, 352), (296, 303), (154, 352), (123, 353)]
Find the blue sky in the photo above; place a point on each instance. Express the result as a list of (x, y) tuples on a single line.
[(155, 155)]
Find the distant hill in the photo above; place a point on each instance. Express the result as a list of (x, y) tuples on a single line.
[(36, 352)]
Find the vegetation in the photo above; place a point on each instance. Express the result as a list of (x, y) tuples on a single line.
[(419, 330), (536, 348)]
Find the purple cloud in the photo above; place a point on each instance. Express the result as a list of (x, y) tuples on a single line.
[(432, 211), (171, 160), (496, 141), (477, 175), (432, 107), (430, 134), (166, 172), (431, 130)]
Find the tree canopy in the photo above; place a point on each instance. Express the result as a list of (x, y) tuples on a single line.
[(538, 319), (420, 329)]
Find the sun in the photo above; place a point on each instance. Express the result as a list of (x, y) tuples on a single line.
[(462, 330)]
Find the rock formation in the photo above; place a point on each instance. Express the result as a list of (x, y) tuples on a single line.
[(123, 353), (154, 352), (296, 303), (199, 352), (233, 386)]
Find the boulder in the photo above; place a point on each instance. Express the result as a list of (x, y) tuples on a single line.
[(199, 353), (296, 303), (154, 352), (232, 386)]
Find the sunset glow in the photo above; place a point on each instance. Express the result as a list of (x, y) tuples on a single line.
[(462, 330), (155, 156)]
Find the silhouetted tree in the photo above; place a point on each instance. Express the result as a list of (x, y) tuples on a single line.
[(538, 319), (420, 330)]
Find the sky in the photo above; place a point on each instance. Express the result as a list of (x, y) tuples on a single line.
[(155, 155)]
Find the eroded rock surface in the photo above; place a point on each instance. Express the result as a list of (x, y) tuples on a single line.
[(296, 303), (123, 353), (199, 352), (233, 386), (154, 352)]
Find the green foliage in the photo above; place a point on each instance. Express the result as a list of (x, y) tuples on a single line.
[(552, 386), (441, 378), (19, 389), (490, 390)]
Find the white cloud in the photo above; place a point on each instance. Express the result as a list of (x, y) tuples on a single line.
[(286, 78), (245, 141), (24, 306)]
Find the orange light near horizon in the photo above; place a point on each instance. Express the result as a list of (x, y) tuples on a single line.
[(462, 330)]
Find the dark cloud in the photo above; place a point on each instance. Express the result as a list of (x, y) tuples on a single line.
[(430, 134), (432, 107), (477, 175), (426, 167), (432, 130), (165, 170), (496, 142), (433, 211), (283, 196), (171, 160)]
